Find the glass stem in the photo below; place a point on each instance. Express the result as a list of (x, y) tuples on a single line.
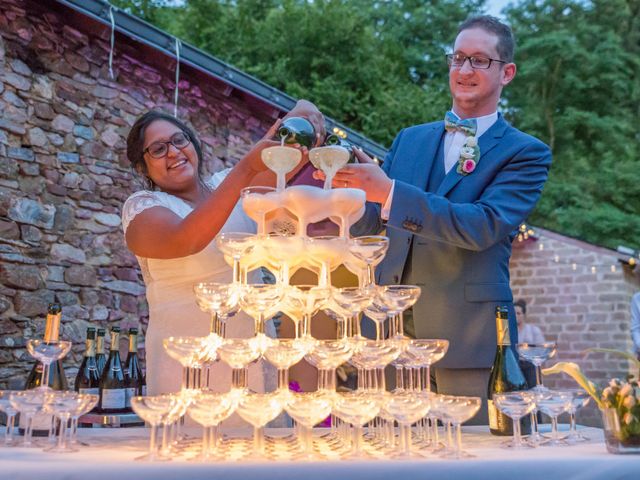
[(236, 270), (213, 328), (572, 420), (517, 443), (44, 379), (307, 435), (205, 442), (371, 275), (62, 437), (153, 440), (458, 440), (283, 379), (28, 432), (258, 440), (538, 374), (8, 433), (405, 432), (554, 428), (357, 440)]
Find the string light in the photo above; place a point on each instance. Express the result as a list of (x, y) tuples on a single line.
[(113, 39), (525, 232)]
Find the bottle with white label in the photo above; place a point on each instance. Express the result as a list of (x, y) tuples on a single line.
[(112, 384), (133, 377), (88, 380)]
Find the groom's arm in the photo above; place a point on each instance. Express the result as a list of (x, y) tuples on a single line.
[(503, 205)]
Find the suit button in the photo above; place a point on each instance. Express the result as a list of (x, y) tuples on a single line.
[(396, 278)]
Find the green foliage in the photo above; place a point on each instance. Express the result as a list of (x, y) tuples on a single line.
[(378, 66)]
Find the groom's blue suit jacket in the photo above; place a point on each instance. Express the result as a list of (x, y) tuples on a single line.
[(460, 233)]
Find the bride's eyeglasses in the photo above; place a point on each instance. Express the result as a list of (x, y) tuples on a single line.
[(159, 149)]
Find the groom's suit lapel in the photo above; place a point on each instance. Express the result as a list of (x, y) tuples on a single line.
[(486, 142), (426, 149)]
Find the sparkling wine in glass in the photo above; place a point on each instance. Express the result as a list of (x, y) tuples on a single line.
[(257, 202), (281, 160), (329, 159)]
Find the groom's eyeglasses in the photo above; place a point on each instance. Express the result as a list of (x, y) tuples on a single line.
[(457, 60), (159, 149)]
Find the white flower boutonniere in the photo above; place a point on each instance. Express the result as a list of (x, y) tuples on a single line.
[(469, 156)]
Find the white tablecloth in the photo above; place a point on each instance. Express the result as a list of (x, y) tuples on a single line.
[(111, 453)]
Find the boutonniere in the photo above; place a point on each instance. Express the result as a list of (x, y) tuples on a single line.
[(469, 156)]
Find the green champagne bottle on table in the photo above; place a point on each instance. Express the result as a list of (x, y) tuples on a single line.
[(297, 130), (57, 378), (134, 380), (101, 359), (506, 376), (112, 384), (87, 379)]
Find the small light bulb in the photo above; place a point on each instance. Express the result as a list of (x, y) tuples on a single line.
[(613, 268), (556, 258), (541, 247), (574, 266), (593, 269)]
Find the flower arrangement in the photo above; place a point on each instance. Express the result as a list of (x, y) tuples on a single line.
[(469, 156), (619, 402)]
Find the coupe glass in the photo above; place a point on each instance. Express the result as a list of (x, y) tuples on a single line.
[(371, 250), (307, 300), (354, 300), (326, 356), (238, 353), (287, 251), (10, 412), (286, 352), (281, 160), (209, 409), (219, 299), (349, 205), (378, 312), (259, 409), (422, 353), (61, 405), (370, 358), (88, 401), (260, 301), (156, 410), (328, 252), (537, 353), (399, 298), (257, 202), (28, 403), (235, 245), (459, 410), (47, 352), (329, 160), (356, 408), (309, 409), (515, 405), (190, 353), (580, 399), (406, 408), (553, 403)]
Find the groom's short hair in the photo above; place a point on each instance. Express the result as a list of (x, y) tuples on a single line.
[(506, 44)]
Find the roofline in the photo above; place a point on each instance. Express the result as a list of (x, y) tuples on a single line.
[(148, 34)]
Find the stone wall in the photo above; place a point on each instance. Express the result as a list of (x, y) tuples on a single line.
[(575, 307), (64, 173)]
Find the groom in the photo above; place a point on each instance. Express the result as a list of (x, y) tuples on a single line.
[(453, 194)]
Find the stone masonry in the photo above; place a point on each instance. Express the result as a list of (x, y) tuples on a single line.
[(577, 308), (64, 173)]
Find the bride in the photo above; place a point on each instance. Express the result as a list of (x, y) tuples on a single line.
[(170, 227)]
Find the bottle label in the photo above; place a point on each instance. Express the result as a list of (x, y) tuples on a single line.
[(113, 399), (129, 392), (493, 416), (89, 391)]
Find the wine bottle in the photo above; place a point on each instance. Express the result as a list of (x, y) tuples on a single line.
[(506, 376), (57, 378), (87, 380), (134, 380), (112, 385), (101, 359), (297, 130)]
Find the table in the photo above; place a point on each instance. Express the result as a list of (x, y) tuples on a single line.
[(111, 454)]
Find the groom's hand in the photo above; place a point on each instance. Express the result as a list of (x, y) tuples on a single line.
[(366, 175)]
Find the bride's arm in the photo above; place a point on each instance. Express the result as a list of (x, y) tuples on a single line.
[(157, 232)]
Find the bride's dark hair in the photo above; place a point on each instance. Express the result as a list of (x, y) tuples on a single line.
[(135, 143)]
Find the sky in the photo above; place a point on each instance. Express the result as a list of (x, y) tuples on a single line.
[(494, 6)]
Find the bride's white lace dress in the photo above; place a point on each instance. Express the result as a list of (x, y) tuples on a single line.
[(172, 305)]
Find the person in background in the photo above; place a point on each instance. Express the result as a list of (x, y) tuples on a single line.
[(452, 193), (527, 333), (635, 323)]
